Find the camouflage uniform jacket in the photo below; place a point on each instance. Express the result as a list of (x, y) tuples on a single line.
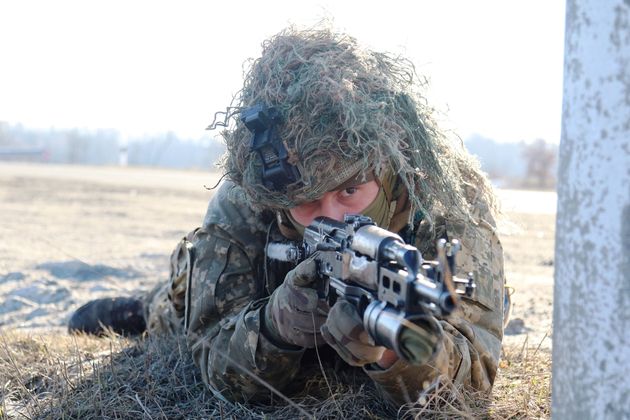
[(222, 300)]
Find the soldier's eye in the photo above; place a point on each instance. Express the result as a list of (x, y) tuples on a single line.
[(350, 190)]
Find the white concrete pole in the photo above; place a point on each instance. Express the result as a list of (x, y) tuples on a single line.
[(591, 337)]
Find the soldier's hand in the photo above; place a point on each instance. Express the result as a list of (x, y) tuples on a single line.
[(294, 313), (344, 332)]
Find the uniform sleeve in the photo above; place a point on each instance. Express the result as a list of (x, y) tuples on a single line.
[(469, 352), (224, 309)]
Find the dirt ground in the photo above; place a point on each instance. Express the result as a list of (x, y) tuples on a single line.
[(69, 234)]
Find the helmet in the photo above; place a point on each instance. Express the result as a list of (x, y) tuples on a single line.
[(333, 111)]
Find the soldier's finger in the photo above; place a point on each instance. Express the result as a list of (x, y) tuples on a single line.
[(306, 272)]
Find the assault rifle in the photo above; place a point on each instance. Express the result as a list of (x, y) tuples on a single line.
[(391, 286)]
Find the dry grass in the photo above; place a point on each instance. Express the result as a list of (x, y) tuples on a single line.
[(81, 377), (523, 387)]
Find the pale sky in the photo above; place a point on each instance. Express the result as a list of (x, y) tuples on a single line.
[(140, 66)]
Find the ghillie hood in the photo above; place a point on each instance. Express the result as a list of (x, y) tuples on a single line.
[(347, 110)]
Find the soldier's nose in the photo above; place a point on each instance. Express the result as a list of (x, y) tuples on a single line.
[(331, 208)]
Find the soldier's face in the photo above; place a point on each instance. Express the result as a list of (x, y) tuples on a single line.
[(335, 204)]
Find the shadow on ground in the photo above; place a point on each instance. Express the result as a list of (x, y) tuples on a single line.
[(82, 271)]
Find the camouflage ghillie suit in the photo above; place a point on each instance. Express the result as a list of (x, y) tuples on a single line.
[(346, 112), (221, 304)]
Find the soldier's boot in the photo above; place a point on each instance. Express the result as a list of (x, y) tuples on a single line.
[(122, 315)]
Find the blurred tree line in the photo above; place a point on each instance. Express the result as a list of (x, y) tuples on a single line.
[(524, 164), (106, 147), (530, 165)]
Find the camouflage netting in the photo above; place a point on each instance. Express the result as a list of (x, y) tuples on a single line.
[(343, 105)]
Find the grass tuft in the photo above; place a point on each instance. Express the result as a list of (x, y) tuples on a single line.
[(60, 376)]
